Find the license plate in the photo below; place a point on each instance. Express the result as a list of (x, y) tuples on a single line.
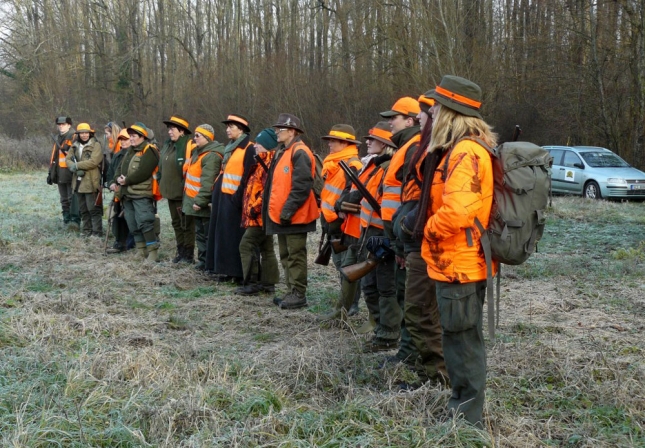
[(637, 187)]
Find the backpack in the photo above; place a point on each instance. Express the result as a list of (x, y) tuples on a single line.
[(319, 182), (522, 191)]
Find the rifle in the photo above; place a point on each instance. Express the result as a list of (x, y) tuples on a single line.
[(110, 221), (355, 272), (360, 187), (516, 132), (261, 162), (324, 251), (338, 245)]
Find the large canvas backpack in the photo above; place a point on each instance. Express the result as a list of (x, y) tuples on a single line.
[(522, 190)]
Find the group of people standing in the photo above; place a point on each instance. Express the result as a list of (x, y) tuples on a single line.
[(425, 167)]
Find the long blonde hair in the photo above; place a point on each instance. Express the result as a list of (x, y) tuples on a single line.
[(448, 126)]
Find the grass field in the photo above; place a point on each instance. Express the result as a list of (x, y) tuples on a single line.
[(105, 351)]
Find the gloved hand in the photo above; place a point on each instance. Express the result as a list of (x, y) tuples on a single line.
[(407, 223), (379, 246), (49, 179), (80, 173), (72, 167), (285, 222)]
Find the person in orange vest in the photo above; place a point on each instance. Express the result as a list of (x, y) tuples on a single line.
[(290, 209), (225, 232), (379, 282), (200, 171), (135, 177), (460, 188), (119, 225), (175, 151), (342, 147), (259, 262), (60, 175), (421, 312), (402, 119), (84, 160)]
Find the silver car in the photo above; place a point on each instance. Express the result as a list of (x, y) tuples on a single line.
[(594, 173)]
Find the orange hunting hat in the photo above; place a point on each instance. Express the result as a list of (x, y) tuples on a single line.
[(84, 127), (123, 134), (381, 132), (342, 132), (238, 120), (139, 128), (406, 106), (426, 102), (460, 95), (179, 121)]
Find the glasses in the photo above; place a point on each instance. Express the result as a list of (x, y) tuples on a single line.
[(277, 131)]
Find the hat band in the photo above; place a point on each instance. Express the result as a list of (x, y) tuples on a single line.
[(205, 132), (344, 135), (179, 121), (238, 119), (376, 132), (139, 129), (458, 98)]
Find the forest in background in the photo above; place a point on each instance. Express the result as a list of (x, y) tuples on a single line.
[(567, 71)]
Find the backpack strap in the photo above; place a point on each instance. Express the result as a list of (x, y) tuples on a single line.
[(488, 256)]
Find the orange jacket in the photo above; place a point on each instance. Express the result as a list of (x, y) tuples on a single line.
[(394, 179), (369, 218), (352, 225), (281, 187), (466, 194), (414, 179), (193, 174), (336, 180), (252, 202), (234, 170)]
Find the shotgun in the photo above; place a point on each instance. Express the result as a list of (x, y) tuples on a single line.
[(360, 187)]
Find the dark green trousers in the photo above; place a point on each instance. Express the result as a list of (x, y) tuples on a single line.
[(422, 317), (91, 215), (183, 225), (293, 257), (140, 215), (461, 309), (200, 225), (257, 247), (349, 257)]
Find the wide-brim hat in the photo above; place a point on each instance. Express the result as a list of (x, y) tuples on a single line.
[(406, 106), (63, 119), (381, 132), (139, 128), (342, 132), (238, 120), (460, 95), (178, 121), (289, 121), (84, 127)]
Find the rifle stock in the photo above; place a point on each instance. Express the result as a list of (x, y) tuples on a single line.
[(360, 187), (355, 272), (338, 245), (324, 254)]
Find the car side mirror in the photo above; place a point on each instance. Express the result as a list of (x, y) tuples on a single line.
[(579, 165)]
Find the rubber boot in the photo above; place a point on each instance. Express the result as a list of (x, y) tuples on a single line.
[(368, 326), (153, 253), (353, 310), (347, 293), (142, 251)]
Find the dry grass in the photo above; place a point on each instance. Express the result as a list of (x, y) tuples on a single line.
[(102, 351)]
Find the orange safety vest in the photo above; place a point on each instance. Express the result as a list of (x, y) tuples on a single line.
[(281, 187), (392, 185), (412, 187), (193, 176), (352, 225), (335, 179), (62, 163), (369, 218), (234, 170)]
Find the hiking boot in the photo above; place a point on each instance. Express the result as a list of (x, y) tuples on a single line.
[(277, 300), (380, 345), (189, 254), (293, 300), (269, 289), (200, 266), (180, 254), (116, 249), (252, 289)]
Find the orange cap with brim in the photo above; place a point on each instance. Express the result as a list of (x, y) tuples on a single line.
[(406, 106)]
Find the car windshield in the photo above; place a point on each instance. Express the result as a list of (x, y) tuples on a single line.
[(603, 160)]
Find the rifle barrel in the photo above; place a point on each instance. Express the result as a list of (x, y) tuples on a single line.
[(360, 187)]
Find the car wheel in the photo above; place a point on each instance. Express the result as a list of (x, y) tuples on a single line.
[(592, 190)]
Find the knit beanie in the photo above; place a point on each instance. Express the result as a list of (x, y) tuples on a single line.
[(207, 131), (267, 138)]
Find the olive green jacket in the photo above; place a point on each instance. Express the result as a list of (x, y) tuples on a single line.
[(89, 161), (211, 167), (171, 164), (138, 167)]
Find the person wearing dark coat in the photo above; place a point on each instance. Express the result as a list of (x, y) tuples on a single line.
[(225, 231)]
